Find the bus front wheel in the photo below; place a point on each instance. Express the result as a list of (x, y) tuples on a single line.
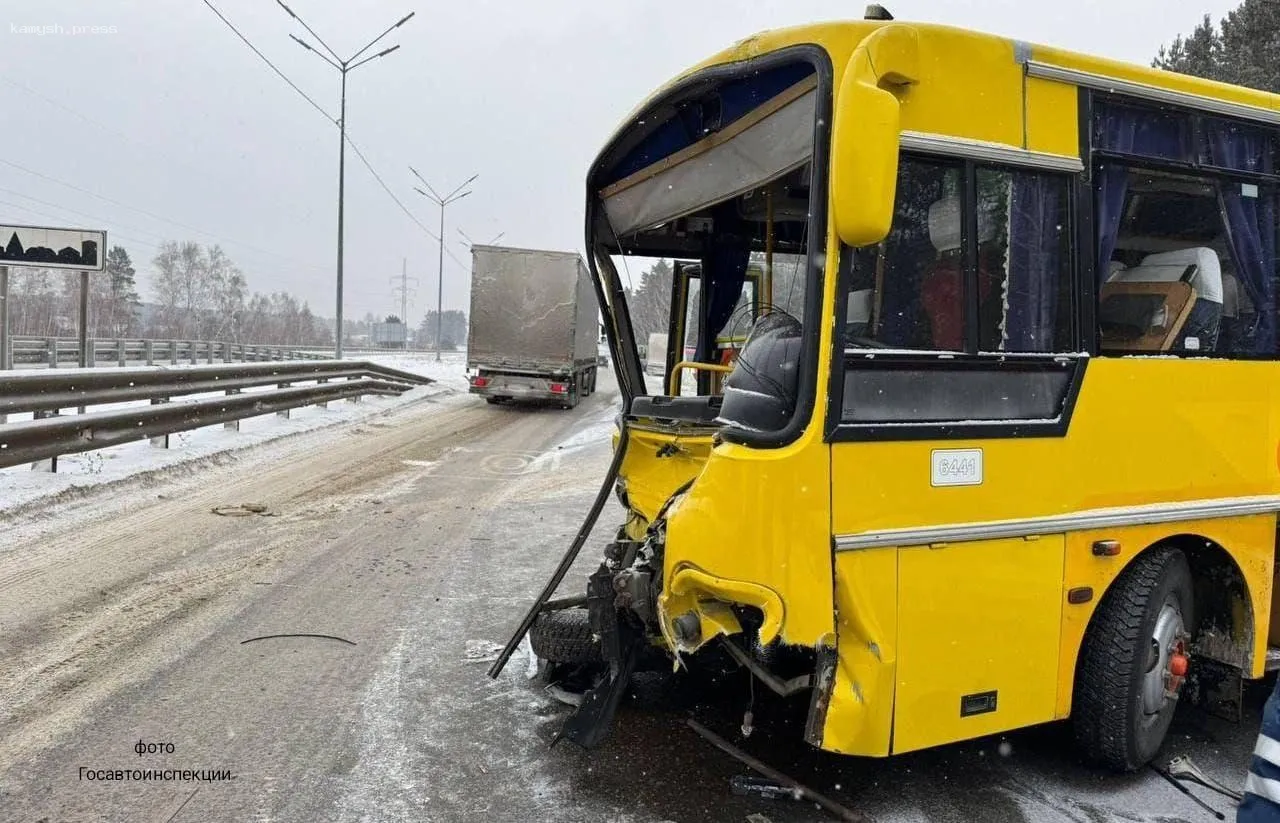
[(1133, 661)]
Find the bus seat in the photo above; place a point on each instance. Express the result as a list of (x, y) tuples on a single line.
[(1198, 267), (858, 317), (942, 291)]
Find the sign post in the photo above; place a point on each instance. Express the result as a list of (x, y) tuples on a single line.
[(6, 359), (84, 320)]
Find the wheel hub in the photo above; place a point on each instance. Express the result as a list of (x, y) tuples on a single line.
[(1167, 660)]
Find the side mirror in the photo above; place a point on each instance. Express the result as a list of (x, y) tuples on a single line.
[(864, 137)]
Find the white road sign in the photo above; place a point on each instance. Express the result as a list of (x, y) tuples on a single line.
[(51, 248)]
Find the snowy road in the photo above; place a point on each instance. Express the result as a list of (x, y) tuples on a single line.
[(419, 536)]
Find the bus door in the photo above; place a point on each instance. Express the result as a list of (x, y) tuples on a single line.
[(688, 308)]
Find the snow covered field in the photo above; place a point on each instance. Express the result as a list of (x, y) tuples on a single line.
[(20, 485)]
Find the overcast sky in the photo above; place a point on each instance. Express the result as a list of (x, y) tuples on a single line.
[(168, 114)]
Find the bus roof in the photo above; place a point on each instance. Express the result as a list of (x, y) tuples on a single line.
[(839, 39)]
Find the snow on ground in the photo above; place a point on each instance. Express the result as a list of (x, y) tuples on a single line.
[(20, 485), (596, 429)]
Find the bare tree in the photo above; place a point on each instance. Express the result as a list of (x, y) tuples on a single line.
[(228, 287), (181, 288)]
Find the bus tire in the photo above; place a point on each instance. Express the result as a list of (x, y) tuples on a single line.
[(564, 637), (1119, 716)]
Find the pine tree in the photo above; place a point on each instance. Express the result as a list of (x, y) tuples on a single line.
[(124, 299), (1244, 49), (650, 304), (1199, 54)]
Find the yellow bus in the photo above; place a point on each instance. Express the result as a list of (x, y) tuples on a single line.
[(1007, 452)]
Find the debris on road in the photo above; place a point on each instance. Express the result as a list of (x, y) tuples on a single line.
[(531, 667), (841, 812), (244, 510), (747, 786), (1173, 782), (299, 634), (1184, 768), (564, 695), (481, 651)]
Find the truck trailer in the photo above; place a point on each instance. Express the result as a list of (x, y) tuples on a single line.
[(534, 326)]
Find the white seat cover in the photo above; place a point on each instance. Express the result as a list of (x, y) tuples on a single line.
[(1170, 266), (859, 310), (944, 225)]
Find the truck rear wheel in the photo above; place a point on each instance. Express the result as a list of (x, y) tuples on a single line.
[(1133, 661)]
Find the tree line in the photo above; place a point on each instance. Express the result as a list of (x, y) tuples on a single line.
[(200, 295)]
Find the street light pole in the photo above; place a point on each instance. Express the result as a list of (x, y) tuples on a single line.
[(440, 286), (342, 181), (343, 67), (442, 202)]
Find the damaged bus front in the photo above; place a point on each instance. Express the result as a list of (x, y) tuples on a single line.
[(722, 471)]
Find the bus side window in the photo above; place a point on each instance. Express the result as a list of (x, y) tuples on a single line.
[(1172, 283), (903, 293), (1186, 235), (910, 291)]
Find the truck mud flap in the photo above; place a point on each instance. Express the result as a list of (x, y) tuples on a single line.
[(620, 644)]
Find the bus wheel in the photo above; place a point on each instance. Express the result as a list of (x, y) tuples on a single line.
[(1134, 661), (564, 637)]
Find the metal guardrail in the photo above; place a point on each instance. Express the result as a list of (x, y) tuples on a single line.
[(50, 435), (53, 352)]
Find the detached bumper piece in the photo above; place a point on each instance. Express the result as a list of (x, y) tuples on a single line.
[(620, 644)]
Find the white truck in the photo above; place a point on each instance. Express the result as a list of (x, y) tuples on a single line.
[(534, 326), (655, 358)]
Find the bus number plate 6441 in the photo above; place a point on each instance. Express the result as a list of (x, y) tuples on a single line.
[(956, 467)]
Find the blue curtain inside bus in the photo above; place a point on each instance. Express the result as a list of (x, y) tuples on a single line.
[(1035, 263), (724, 271), (1250, 213)]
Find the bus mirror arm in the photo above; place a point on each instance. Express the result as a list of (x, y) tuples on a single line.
[(865, 129)]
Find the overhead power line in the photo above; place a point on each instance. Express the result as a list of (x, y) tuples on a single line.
[(387, 189), (279, 73)]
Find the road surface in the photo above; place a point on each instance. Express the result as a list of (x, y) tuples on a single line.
[(414, 541)]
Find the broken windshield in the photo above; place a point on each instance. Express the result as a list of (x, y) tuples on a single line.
[(704, 213)]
